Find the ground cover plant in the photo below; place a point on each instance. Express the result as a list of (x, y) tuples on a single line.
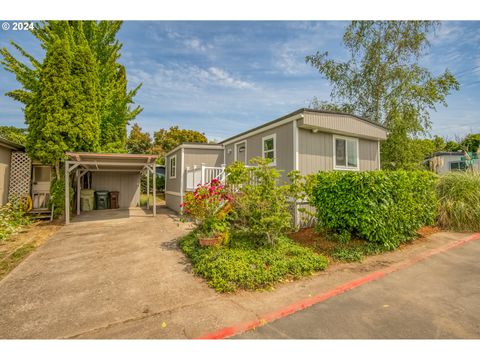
[(459, 200), (244, 265), (253, 215)]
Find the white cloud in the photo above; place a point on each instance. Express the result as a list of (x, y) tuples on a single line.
[(224, 78)]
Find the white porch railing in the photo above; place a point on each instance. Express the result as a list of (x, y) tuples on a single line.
[(201, 175)]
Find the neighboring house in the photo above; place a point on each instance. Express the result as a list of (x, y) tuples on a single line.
[(305, 140), (19, 176), (443, 162), (6, 149)]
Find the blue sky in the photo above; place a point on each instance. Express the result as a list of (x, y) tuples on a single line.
[(222, 78)]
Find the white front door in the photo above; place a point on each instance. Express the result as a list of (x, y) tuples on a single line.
[(41, 177)]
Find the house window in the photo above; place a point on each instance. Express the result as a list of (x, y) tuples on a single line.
[(345, 153), (457, 165), (270, 148), (173, 167)]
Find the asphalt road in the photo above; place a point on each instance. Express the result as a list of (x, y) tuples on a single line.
[(437, 298)]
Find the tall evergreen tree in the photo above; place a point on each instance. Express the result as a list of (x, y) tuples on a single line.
[(113, 102), (47, 113)]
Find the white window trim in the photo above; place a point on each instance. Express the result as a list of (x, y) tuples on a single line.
[(268, 137), (346, 167), (170, 167), (235, 149)]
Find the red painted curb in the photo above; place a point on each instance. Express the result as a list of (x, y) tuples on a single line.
[(302, 304)]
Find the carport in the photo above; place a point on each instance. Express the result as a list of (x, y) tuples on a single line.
[(117, 171)]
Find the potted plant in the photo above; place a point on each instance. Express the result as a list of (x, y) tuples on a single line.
[(209, 206)]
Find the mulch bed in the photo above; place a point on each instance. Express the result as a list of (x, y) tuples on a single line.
[(309, 238)]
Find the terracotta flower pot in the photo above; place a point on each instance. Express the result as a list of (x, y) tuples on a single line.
[(211, 241)]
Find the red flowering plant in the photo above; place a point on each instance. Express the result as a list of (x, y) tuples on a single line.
[(209, 207)]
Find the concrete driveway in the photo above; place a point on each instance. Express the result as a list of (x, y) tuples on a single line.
[(105, 268)]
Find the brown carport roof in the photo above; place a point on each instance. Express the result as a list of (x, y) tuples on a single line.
[(111, 162)]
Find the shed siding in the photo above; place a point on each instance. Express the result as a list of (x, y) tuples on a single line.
[(284, 147), (315, 152), (4, 174), (212, 157), (128, 184), (342, 124), (174, 184), (173, 202)]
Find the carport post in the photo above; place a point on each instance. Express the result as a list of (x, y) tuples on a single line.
[(77, 172), (67, 194), (154, 190), (148, 189)]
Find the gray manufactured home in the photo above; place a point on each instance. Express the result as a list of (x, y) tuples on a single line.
[(305, 140)]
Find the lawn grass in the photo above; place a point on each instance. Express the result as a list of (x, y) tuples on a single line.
[(242, 265), (10, 262), (143, 199), (18, 246)]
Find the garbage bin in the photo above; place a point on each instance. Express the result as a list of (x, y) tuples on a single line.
[(101, 200), (113, 197), (86, 199)]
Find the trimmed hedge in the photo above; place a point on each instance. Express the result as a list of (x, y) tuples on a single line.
[(385, 207)]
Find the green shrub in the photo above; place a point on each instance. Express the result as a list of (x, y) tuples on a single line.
[(12, 219), (244, 265), (385, 207), (261, 207), (459, 198)]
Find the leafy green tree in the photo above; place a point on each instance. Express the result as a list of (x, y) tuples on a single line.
[(452, 145), (138, 142), (14, 134), (384, 82), (166, 140), (471, 142), (113, 101)]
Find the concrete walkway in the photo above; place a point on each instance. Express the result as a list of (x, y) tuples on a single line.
[(126, 278)]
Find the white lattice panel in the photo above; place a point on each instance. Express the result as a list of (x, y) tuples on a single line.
[(20, 175)]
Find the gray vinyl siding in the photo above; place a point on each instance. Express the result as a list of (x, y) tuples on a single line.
[(315, 152), (191, 157), (368, 154), (128, 184), (4, 174), (342, 124), (283, 145), (209, 157), (173, 184)]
